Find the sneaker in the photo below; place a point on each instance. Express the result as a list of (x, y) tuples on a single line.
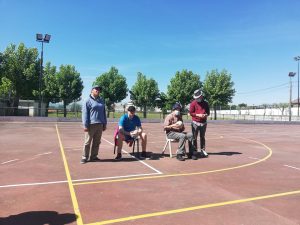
[(180, 157), (96, 159), (83, 161), (204, 153), (194, 157), (144, 154), (119, 157)]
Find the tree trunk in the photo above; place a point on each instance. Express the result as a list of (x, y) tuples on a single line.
[(15, 105), (145, 111), (215, 114), (65, 109), (107, 113), (46, 109)]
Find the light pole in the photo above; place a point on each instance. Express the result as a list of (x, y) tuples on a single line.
[(291, 74), (297, 58), (42, 39)]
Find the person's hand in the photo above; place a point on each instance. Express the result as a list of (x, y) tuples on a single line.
[(134, 133), (179, 124), (201, 115), (104, 127), (86, 129)]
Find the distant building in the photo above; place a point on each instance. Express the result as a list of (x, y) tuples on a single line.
[(295, 102)]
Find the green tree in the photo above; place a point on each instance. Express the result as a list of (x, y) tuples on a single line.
[(145, 91), (218, 89), (242, 105), (114, 88), (69, 85), (50, 89), (162, 102), (5, 87), (20, 65), (182, 87)]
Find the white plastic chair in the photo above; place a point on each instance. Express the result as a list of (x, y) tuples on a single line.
[(168, 142)]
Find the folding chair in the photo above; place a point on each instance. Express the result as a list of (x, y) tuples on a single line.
[(168, 142), (133, 142)]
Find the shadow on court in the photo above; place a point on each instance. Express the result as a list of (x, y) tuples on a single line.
[(39, 218), (225, 153)]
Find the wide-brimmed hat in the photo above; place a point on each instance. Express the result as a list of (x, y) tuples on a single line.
[(197, 94)]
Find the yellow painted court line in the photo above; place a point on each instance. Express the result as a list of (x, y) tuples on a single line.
[(184, 174), (218, 204), (71, 188)]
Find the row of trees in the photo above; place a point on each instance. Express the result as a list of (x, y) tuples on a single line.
[(217, 87), (19, 79)]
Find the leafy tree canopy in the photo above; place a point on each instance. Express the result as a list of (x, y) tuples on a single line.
[(182, 87), (69, 84), (145, 92), (114, 86), (218, 88), (20, 65)]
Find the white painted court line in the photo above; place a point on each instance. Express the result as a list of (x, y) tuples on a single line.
[(13, 160), (33, 184), (46, 153), (157, 171), (296, 168), (115, 177), (253, 158), (79, 180)]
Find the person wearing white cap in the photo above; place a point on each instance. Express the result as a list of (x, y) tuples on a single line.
[(199, 111), (94, 122)]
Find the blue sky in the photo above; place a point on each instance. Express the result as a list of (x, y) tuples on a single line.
[(255, 41)]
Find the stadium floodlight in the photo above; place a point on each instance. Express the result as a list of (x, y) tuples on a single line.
[(291, 74), (42, 39), (39, 37), (47, 38), (297, 58)]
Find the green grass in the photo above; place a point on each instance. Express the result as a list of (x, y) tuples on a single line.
[(150, 115)]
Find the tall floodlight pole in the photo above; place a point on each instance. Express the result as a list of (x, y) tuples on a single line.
[(291, 74), (297, 58), (42, 39)]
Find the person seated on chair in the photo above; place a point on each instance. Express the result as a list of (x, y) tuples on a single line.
[(174, 128), (129, 128)]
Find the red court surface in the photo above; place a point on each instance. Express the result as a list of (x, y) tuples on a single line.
[(251, 177)]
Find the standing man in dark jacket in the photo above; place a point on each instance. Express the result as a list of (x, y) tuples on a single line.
[(94, 122), (199, 111)]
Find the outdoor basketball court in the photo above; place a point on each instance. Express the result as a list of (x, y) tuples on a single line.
[(252, 176)]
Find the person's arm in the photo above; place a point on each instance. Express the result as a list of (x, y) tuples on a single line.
[(169, 126), (192, 109), (85, 116), (122, 131), (207, 110), (105, 119)]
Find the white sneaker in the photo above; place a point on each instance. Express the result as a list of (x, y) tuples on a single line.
[(204, 153)]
